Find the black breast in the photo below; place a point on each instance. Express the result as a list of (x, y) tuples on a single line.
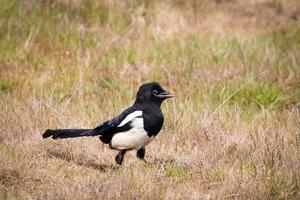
[(153, 121)]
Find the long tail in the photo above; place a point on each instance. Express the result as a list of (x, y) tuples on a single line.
[(68, 133)]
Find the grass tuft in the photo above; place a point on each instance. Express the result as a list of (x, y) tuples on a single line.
[(255, 95)]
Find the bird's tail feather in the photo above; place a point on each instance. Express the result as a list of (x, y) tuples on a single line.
[(68, 133)]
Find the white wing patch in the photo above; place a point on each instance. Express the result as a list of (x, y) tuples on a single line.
[(130, 117)]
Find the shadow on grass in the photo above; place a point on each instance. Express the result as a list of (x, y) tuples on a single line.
[(89, 163)]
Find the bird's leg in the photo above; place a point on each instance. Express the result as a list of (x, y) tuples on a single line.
[(141, 153), (119, 158)]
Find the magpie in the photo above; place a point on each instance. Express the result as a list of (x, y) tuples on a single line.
[(132, 129)]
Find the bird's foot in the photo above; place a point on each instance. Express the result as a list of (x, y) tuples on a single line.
[(141, 153), (120, 157)]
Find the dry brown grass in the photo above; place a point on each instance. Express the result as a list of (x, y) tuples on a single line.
[(61, 66)]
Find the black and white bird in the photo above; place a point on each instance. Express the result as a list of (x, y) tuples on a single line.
[(133, 129)]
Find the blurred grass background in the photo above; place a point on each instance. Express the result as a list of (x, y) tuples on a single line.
[(74, 63)]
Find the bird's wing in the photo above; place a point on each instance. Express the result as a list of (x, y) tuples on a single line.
[(120, 123)]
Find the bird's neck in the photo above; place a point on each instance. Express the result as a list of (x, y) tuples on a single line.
[(147, 104)]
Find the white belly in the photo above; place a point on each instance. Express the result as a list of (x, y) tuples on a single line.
[(135, 138)]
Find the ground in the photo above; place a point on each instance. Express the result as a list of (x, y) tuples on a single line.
[(231, 132)]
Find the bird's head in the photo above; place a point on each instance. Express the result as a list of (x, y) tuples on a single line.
[(152, 93)]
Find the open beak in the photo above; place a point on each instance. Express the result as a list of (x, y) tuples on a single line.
[(165, 95)]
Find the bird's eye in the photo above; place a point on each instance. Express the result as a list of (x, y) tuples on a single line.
[(154, 92)]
